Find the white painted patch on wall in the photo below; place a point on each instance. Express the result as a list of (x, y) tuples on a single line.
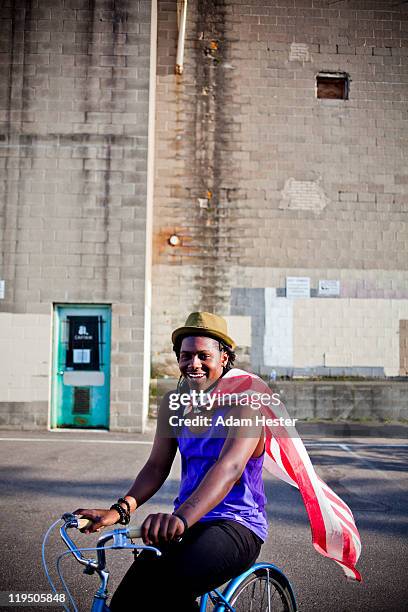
[(299, 52), (303, 195), (347, 332), (239, 329), (278, 339), (24, 357)]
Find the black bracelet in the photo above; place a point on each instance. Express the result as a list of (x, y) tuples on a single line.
[(122, 500), (124, 516), (182, 518), (121, 511)]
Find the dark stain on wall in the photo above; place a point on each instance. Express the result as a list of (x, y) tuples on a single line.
[(103, 100), (210, 136), (201, 185)]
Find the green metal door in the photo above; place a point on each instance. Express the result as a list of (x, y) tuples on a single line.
[(81, 367)]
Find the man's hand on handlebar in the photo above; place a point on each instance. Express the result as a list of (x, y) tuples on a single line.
[(99, 518), (158, 528)]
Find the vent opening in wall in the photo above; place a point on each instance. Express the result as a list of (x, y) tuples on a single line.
[(82, 396), (332, 85)]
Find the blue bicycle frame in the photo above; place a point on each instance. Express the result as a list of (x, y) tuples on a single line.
[(120, 537), (120, 541), (221, 600)]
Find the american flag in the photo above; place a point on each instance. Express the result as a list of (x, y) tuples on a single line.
[(334, 533)]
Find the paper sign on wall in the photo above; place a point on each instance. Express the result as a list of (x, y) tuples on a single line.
[(297, 287), (82, 355), (329, 288)]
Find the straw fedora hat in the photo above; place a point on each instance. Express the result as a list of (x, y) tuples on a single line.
[(205, 324)]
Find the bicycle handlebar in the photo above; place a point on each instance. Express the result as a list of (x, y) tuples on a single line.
[(130, 532), (120, 540), (119, 537), (84, 523), (134, 532)]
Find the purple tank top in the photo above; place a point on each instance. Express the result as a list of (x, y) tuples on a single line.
[(245, 503)]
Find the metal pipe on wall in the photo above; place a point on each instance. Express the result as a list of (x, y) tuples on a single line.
[(181, 20)]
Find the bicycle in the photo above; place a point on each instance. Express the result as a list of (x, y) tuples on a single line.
[(263, 587)]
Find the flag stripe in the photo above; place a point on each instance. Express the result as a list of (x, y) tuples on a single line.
[(334, 497), (350, 525), (336, 500)]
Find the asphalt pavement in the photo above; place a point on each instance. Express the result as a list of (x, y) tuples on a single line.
[(45, 474)]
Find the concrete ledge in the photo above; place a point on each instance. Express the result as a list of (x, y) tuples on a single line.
[(381, 401), (362, 371)]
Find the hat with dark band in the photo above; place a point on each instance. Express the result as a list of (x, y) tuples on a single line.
[(206, 324)]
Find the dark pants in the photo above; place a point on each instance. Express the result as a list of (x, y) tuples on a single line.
[(209, 554)]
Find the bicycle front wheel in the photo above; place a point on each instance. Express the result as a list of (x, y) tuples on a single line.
[(265, 590)]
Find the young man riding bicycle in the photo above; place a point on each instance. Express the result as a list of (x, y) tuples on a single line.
[(219, 521)]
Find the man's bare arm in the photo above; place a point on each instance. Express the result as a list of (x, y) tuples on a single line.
[(221, 477)]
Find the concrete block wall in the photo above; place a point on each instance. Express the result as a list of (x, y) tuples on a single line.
[(73, 172), (377, 401), (262, 180)]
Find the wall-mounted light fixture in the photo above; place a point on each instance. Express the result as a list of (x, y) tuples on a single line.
[(174, 240)]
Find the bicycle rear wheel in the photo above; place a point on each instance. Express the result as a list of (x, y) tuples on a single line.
[(265, 590)]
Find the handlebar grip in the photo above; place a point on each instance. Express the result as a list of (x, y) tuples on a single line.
[(84, 523), (134, 532)]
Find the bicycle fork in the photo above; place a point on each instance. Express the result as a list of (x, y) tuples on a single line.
[(101, 595)]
